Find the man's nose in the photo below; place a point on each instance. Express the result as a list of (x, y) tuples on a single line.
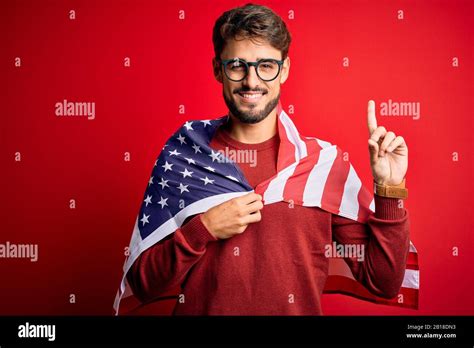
[(252, 79)]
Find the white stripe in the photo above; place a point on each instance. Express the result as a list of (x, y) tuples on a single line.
[(274, 191), (323, 143), (412, 247), (372, 205), (165, 229), (293, 136), (317, 178), (411, 279), (350, 203)]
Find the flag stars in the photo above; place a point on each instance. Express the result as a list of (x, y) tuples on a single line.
[(186, 173), (147, 200), (183, 188), (209, 168), (150, 182), (144, 219), (187, 125), (215, 155), (174, 152), (162, 202), (181, 139), (207, 180), (190, 160), (163, 183), (167, 166), (206, 122), (196, 148)]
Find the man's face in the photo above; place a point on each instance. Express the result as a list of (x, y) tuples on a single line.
[(265, 94)]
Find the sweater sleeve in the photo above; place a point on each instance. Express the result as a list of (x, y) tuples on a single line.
[(386, 242), (165, 265)]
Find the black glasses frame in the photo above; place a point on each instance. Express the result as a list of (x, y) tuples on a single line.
[(254, 64)]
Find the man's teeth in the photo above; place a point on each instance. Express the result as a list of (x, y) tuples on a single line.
[(252, 96)]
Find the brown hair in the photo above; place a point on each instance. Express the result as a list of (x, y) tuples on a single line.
[(251, 21)]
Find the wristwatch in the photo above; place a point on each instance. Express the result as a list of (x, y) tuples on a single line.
[(396, 191)]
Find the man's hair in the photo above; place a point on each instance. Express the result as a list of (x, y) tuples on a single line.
[(252, 22)]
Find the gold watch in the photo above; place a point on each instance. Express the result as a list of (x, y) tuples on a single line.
[(396, 191)]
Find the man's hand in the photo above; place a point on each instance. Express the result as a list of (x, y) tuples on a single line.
[(232, 217), (388, 153)]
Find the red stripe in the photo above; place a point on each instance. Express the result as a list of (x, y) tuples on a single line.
[(286, 151), (294, 188), (334, 188), (364, 198)]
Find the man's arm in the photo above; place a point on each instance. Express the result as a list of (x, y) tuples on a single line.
[(386, 245), (165, 265)]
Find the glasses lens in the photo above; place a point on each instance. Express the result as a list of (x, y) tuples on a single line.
[(236, 70), (268, 70)]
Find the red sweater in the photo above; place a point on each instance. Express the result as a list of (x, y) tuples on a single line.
[(278, 265)]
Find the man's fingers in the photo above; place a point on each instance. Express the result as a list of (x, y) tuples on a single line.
[(249, 198), (374, 151), (395, 143), (386, 141), (378, 133), (371, 120), (250, 218), (252, 207)]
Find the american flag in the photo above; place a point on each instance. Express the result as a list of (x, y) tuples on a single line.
[(189, 177)]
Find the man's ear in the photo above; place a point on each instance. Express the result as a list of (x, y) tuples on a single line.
[(217, 70), (285, 70)]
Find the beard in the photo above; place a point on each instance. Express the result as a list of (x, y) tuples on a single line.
[(253, 116)]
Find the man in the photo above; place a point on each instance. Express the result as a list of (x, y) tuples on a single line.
[(242, 257)]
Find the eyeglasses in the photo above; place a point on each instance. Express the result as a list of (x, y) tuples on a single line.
[(237, 69)]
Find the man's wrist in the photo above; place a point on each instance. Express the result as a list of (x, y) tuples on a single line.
[(391, 191)]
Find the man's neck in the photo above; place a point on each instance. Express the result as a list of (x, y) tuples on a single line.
[(253, 133)]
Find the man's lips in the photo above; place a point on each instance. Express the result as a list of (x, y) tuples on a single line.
[(251, 97)]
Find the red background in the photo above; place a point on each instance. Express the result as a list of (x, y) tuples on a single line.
[(81, 250)]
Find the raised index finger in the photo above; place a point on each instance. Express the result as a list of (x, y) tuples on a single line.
[(371, 120)]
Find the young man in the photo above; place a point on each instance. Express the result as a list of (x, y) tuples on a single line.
[(242, 257)]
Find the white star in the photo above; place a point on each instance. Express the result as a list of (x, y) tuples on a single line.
[(215, 156), (164, 146), (150, 182), (147, 200), (232, 178), (174, 152), (186, 173), (210, 169), (144, 219), (162, 202), (196, 148), (181, 139), (167, 166), (207, 180), (206, 122), (163, 183), (188, 125), (183, 188), (190, 160)]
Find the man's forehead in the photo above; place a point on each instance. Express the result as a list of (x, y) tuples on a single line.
[(249, 50)]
